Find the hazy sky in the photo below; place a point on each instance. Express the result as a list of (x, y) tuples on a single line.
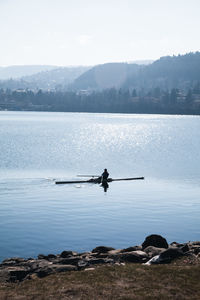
[(88, 32)]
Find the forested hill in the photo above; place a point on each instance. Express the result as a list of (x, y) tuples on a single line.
[(58, 78), (182, 71), (54, 78), (105, 76), (168, 72)]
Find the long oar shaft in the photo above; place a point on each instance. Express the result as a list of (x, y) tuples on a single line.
[(134, 178), (88, 175)]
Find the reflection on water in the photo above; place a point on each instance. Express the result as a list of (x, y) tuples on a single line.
[(38, 216)]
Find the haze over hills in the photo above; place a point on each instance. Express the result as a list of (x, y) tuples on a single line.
[(166, 73), (57, 78), (181, 71), (23, 71), (48, 78), (105, 76), (17, 72)]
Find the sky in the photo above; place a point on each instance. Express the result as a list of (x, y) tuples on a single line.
[(90, 32)]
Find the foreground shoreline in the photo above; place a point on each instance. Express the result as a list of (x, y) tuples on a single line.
[(153, 251)]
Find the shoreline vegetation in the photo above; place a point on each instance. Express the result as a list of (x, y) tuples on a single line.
[(153, 101), (153, 270)]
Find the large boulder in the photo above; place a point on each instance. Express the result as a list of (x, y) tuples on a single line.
[(170, 254), (166, 256), (156, 241), (102, 249), (13, 274)]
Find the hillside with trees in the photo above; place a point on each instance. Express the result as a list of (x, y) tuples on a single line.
[(55, 78), (110, 75), (170, 85), (182, 71)]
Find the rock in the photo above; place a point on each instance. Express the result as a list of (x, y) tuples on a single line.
[(114, 252), (175, 244), (194, 248), (51, 256), (166, 256), (12, 261), (156, 241), (184, 247), (66, 254), (98, 261), (82, 264), (153, 251), (42, 256), (130, 249), (13, 274), (85, 254), (38, 264), (102, 249), (67, 261), (197, 243), (170, 254), (134, 256), (54, 269), (100, 255)]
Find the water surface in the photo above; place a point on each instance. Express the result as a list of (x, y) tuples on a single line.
[(37, 216)]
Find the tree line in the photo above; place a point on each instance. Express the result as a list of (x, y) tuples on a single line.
[(155, 100)]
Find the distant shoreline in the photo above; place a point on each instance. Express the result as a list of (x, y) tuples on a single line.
[(95, 112)]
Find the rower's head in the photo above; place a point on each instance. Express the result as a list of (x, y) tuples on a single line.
[(105, 170)]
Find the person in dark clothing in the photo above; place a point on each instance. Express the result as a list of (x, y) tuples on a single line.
[(104, 178), (104, 175)]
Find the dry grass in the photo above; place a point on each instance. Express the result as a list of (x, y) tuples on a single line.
[(180, 280)]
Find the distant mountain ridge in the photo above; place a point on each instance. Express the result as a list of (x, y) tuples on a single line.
[(167, 72), (182, 72), (57, 78), (16, 72), (48, 77)]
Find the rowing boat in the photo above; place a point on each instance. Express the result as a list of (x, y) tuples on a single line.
[(97, 180)]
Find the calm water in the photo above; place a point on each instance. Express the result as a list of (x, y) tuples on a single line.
[(37, 216)]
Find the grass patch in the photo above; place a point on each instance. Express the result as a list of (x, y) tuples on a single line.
[(132, 281)]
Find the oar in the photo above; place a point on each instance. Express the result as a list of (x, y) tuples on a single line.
[(88, 175), (120, 179)]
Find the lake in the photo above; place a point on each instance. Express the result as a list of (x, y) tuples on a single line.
[(37, 148)]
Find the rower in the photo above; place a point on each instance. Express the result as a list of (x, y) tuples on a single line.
[(104, 176)]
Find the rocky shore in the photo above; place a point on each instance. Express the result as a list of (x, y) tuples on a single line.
[(154, 250)]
